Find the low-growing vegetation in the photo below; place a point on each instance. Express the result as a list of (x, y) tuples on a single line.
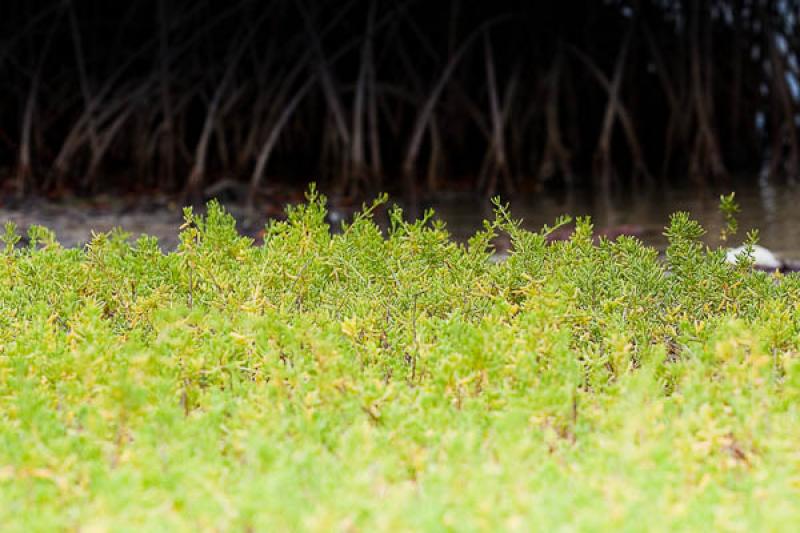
[(365, 381)]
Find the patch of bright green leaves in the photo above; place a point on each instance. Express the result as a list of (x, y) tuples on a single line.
[(370, 381)]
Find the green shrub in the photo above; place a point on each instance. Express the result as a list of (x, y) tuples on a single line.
[(361, 381)]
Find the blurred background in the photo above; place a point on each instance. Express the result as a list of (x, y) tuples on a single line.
[(118, 113)]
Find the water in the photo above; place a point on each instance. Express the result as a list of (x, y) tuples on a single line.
[(773, 209)]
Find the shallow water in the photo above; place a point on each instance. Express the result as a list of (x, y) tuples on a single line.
[(774, 209), (771, 207)]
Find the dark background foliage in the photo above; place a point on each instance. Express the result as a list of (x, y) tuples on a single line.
[(407, 96)]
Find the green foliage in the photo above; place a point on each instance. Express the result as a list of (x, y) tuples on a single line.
[(729, 209), (363, 381)]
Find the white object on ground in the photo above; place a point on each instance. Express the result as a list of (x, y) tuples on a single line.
[(762, 257)]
